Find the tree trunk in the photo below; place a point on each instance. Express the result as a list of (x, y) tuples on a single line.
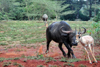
[(90, 12), (27, 12), (95, 9), (79, 9)]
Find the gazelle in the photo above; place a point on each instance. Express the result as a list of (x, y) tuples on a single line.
[(87, 42)]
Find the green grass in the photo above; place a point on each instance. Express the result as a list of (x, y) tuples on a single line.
[(40, 66), (68, 64), (28, 32), (82, 65), (6, 64), (22, 31), (2, 59), (69, 60), (73, 60)]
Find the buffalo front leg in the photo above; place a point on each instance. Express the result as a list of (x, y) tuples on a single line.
[(60, 47), (69, 50)]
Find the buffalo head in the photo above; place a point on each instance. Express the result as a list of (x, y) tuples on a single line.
[(71, 37)]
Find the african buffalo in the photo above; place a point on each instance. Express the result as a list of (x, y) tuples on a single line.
[(61, 32)]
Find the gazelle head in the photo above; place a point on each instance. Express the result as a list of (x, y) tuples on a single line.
[(79, 34)]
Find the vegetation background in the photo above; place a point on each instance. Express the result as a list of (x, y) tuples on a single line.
[(21, 24), (59, 9), (70, 10)]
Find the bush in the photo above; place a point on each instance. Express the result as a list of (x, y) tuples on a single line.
[(96, 32), (83, 17), (3, 44), (81, 65), (97, 18)]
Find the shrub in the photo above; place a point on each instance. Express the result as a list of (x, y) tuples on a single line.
[(3, 44), (16, 58), (97, 18), (68, 64), (96, 32), (40, 66), (6, 64), (63, 59), (74, 60), (81, 65), (2, 59)]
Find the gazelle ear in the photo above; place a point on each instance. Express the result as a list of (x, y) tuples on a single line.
[(76, 31), (79, 31)]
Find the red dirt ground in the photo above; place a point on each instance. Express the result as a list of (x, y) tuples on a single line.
[(20, 51)]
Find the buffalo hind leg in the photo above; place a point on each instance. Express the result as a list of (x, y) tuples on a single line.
[(48, 42), (68, 54), (60, 46)]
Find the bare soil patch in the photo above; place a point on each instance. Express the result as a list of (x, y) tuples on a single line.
[(18, 55)]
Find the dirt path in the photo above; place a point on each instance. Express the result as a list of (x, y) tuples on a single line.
[(33, 55)]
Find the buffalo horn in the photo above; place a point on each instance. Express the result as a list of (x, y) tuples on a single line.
[(65, 31)]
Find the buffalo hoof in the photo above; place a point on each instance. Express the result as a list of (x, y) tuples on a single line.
[(68, 55), (73, 56), (47, 52), (64, 55)]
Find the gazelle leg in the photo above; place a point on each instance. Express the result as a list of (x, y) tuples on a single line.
[(85, 56), (88, 55), (92, 47), (92, 53)]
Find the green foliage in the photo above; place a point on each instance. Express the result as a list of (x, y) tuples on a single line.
[(34, 9), (83, 17), (6, 64), (2, 59), (3, 44), (69, 60), (96, 31), (48, 59), (28, 32), (98, 59), (17, 64), (97, 17), (20, 65), (54, 66), (40, 56), (16, 58), (74, 60), (63, 59), (81, 65), (21, 32), (40, 66)]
